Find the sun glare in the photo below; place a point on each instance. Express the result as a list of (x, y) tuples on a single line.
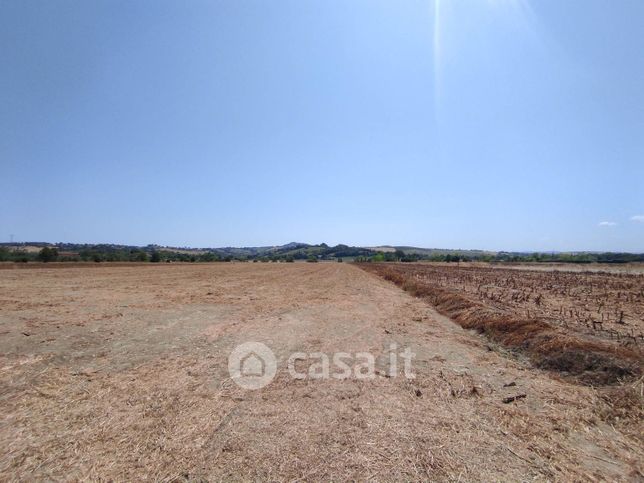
[(516, 15)]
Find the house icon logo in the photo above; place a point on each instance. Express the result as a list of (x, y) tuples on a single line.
[(252, 365)]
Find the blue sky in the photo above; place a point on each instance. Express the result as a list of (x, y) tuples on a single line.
[(494, 124)]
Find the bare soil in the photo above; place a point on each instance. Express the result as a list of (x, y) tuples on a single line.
[(120, 373)]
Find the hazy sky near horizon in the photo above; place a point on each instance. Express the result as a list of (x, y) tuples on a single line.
[(493, 124)]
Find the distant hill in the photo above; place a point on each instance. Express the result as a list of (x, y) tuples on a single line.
[(114, 252), (297, 251)]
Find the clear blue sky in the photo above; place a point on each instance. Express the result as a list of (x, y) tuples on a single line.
[(494, 124)]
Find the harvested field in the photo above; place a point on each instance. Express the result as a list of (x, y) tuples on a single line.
[(120, 373), (589, 324)]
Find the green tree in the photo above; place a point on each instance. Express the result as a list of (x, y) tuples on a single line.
[(208, 257), (47, 254), (156, 257)]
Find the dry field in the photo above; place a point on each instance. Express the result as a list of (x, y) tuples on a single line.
[(586, 324), (602, 304), (120, 373)]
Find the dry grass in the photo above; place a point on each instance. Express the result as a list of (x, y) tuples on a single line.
[(123, 376)]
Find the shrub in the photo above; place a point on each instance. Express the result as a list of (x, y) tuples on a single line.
[(48, 254), (141, 257)]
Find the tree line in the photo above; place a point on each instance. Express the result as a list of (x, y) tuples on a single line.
[(607, 257), (108, 253)]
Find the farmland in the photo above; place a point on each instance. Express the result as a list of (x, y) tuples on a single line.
[(596, 304), (598, 313), (117, 372)]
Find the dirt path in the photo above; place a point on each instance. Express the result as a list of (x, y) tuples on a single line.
[(121, 373)]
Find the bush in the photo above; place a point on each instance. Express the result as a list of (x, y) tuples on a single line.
[(156, 257), (140, 256), (48, 254), (208, 257)]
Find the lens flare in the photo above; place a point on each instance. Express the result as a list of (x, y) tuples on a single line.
[(515, 15), (437, 55)]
